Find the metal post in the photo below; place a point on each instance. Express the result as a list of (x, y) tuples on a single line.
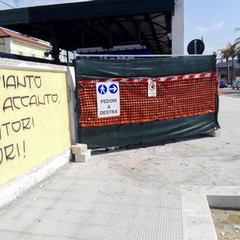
[(55, 45), (195, 46)]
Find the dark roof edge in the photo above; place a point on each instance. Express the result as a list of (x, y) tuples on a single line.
[(83, 10)]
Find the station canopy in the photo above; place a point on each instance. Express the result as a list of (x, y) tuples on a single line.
[(97, 25)]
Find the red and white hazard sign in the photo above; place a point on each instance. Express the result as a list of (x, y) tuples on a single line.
[(152, 89)]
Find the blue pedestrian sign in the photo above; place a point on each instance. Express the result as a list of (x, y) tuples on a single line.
[(102, 89)]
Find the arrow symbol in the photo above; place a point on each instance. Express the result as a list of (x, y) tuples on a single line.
[(113, 88)]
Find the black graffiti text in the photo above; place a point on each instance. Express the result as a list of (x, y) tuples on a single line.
[(14, 81), (21, 102), (12, 151), (6, 129)]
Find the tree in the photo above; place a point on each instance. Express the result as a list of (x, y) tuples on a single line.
[(233, 51), (225, 54), (230, 52)]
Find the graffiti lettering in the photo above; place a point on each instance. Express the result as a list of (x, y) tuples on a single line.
[(23, 92), (20, 102), (28, 81), (10, 152), (16, 126)]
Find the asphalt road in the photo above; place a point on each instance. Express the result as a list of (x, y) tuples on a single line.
[(229, 92)]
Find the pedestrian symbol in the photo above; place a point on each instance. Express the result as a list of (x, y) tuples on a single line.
[(102, 89), (113, 88)]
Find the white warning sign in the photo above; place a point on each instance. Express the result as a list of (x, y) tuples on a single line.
[(108, 100), (152, 89)]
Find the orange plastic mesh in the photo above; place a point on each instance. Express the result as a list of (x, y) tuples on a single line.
[(175, 99)]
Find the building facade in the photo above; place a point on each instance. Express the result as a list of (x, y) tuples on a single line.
[(15, 43), (234, 71)]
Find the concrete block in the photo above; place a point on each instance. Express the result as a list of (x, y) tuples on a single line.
[(83, 157), (82, 154), (79, 148)]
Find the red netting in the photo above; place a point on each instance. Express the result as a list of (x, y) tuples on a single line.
[(176, 97)]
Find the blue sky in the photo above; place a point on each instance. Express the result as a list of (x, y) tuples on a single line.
[(213, 20)]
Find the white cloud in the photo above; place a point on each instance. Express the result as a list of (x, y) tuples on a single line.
[(211, 28)]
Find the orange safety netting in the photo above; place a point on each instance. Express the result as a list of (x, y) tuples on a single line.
[(176, 97)]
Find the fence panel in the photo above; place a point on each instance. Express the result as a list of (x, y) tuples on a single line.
[(181, 105)]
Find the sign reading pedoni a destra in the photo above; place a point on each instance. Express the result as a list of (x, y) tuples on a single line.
[(108, 100)]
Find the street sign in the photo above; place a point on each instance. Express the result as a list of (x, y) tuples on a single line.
[(196, 46), (108, 100), (152, 89)]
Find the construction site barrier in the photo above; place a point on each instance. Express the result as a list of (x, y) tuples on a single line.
[(176, 97)]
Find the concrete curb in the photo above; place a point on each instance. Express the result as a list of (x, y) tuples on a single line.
[(196, 202)]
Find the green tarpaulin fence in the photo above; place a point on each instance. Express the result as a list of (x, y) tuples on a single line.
[(145, 132)]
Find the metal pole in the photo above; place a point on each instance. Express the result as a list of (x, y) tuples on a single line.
[(195, 46)]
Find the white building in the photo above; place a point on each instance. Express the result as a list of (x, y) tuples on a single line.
[(15, 43)]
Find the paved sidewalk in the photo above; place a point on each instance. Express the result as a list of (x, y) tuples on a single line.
[(130, 194)]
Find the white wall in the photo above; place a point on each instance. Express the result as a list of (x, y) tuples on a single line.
[(15, 46), (178, 28), (28, 49)]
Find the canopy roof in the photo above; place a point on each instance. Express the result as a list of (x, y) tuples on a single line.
[(97, 23)]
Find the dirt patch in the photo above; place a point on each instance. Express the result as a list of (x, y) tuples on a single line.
[(227, 223)]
